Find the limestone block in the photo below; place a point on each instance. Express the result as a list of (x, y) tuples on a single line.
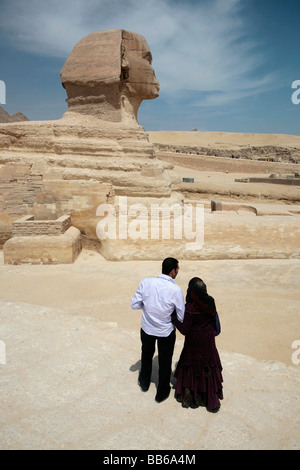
[(27, 226), (216, 206), (43, 249)]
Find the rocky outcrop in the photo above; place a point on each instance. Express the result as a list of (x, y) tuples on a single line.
[(266, 152), (246, 146)]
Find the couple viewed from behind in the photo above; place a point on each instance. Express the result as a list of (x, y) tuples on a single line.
[(199, 369)]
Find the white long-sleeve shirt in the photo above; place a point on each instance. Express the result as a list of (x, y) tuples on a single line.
[(158, 297)]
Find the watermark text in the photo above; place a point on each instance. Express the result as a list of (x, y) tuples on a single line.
[(296, 94), (2, 92), (296, 354), (157, 222), (2, 353)]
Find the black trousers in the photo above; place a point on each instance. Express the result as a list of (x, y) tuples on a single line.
[(165, 347)]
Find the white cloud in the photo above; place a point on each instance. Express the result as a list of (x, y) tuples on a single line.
[(201, 46)]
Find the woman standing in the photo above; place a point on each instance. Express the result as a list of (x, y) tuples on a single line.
[(199, 369)]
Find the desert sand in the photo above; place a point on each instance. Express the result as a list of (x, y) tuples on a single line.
[(73, 355), (224, 139)]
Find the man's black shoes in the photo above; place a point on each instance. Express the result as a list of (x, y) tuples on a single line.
[(143, 385), (162, 396)]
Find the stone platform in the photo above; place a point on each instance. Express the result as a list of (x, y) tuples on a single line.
[(42, 241)]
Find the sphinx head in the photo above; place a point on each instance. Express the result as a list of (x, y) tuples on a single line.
[(108, 74)]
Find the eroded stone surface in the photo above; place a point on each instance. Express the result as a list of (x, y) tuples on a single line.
[(96, 150)]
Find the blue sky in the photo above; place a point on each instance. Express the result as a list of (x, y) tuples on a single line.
[(223, 65)]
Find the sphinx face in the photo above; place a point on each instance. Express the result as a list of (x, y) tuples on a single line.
[(109, 72), (137, 72)]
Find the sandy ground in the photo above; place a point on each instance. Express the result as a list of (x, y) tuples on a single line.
[(223, 139), (258, 300), (73, 355), (223, 186)]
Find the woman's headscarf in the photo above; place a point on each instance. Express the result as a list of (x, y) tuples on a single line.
[(198, 296)]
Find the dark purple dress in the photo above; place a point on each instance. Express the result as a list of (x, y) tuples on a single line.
[(199, 369)]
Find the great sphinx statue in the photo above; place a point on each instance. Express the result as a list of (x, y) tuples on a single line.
[(97, 151), (108, 74)]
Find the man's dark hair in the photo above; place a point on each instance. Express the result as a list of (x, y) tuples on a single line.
[(168, 265)]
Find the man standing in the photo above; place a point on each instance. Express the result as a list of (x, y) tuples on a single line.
[(158, 297)]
